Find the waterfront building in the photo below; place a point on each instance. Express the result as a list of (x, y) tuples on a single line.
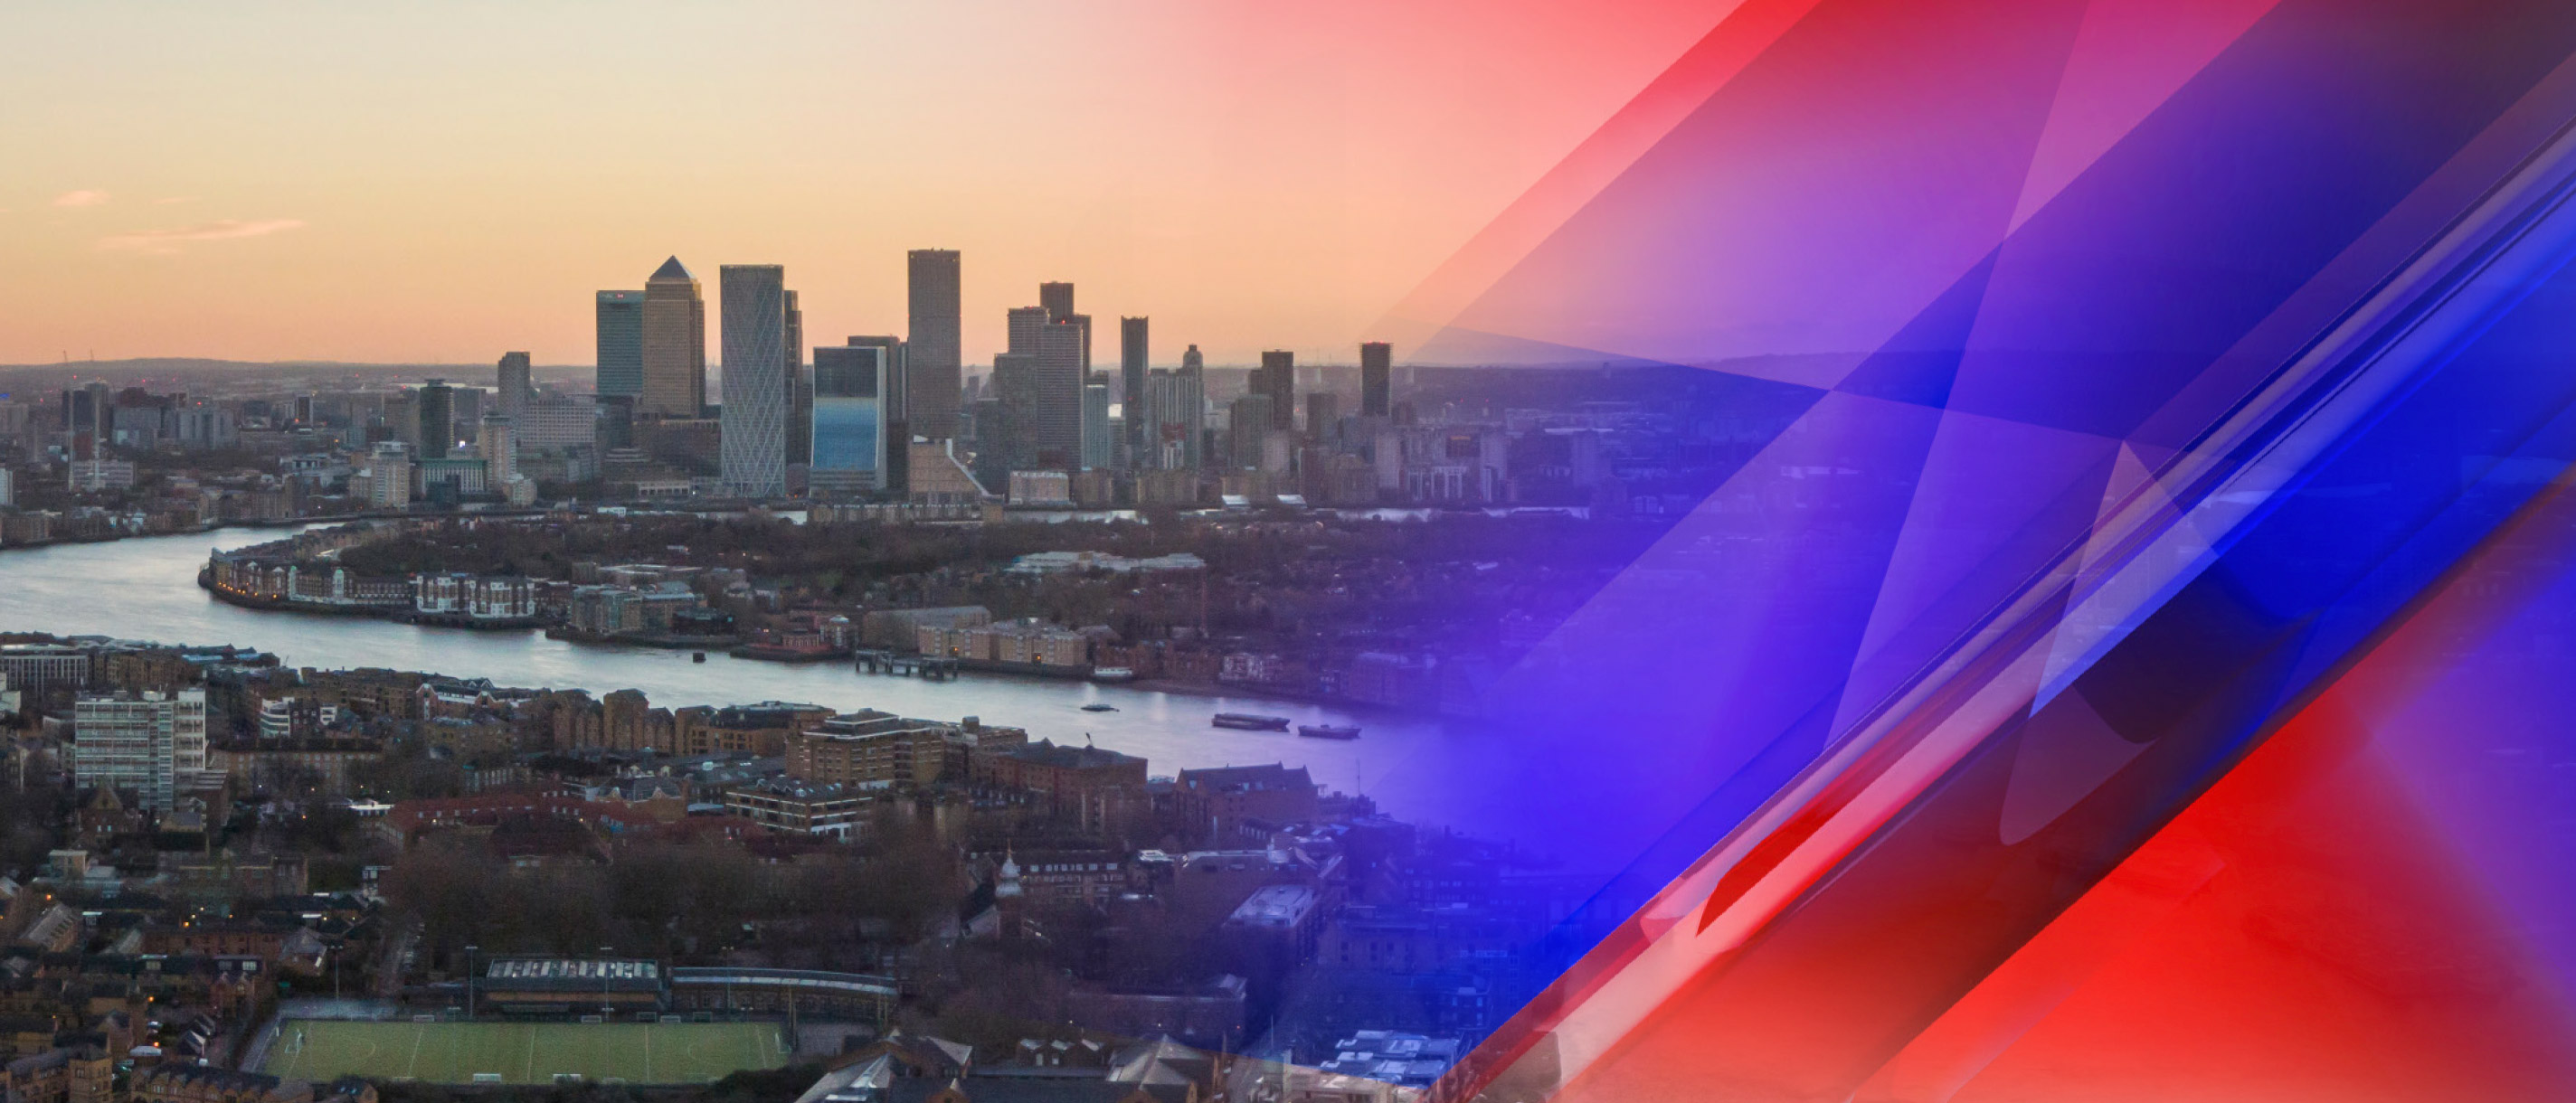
[(933, 363), (754, 419), (91, 476), (152, 744), (674, 344), (1377, 361), (475, 597), (618, 318), (848, 425), (869, 749)]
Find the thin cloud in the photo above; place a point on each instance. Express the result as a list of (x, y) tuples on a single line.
[(172, 240), (174, 199), (83, 198)]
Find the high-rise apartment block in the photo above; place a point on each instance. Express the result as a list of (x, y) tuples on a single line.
[(1174, 413), (1276, 380), (1323, 409), (1132, 365), (1057, 298), (497, 442), (153, 744), (933, 364), (754, 421), (619, 321), (515, 385), (1377, 365), (675, 344), (1247, 425), (1059, 379)]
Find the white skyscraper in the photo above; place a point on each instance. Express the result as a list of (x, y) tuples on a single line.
[(753, 299)]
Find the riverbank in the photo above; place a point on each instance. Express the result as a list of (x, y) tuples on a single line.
[(397, 614), (141, 589)]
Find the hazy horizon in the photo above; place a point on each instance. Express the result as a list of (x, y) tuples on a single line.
[(441, 184)]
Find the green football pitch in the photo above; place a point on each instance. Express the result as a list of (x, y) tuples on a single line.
[(522, 1053)]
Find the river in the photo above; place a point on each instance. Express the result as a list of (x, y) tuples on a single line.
[(145, 589)]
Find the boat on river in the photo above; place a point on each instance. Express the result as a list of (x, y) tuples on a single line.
[(1113, 674), (1249, 721), (1096, 706), (1329, 731)]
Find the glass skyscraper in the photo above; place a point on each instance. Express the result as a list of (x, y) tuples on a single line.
[(753, 449), (620, 321), (849, 424)]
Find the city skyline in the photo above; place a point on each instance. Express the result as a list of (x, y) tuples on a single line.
[(191, 200)]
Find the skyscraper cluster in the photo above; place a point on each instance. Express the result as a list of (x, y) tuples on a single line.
[(845, 426)]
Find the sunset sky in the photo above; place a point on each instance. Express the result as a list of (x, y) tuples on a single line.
[(446, 182)]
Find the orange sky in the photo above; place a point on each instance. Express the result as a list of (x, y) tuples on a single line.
[(447, 182)]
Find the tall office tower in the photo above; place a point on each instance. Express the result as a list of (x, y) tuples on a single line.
[(1057, 298), (1007, 441), (800, 389), (1247, 425), (151, 743), (933, 365), (1377, 361), (753, 426), (497, 442), (1098, 448), (898, 380), (1194, 374), (1059, 380), (1026, 322), (984, 427), (618, 317), (1131, 387), (437, 419), (515, 388), (1277, 380), (1323, 408), (849, 422), (675, 344)]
